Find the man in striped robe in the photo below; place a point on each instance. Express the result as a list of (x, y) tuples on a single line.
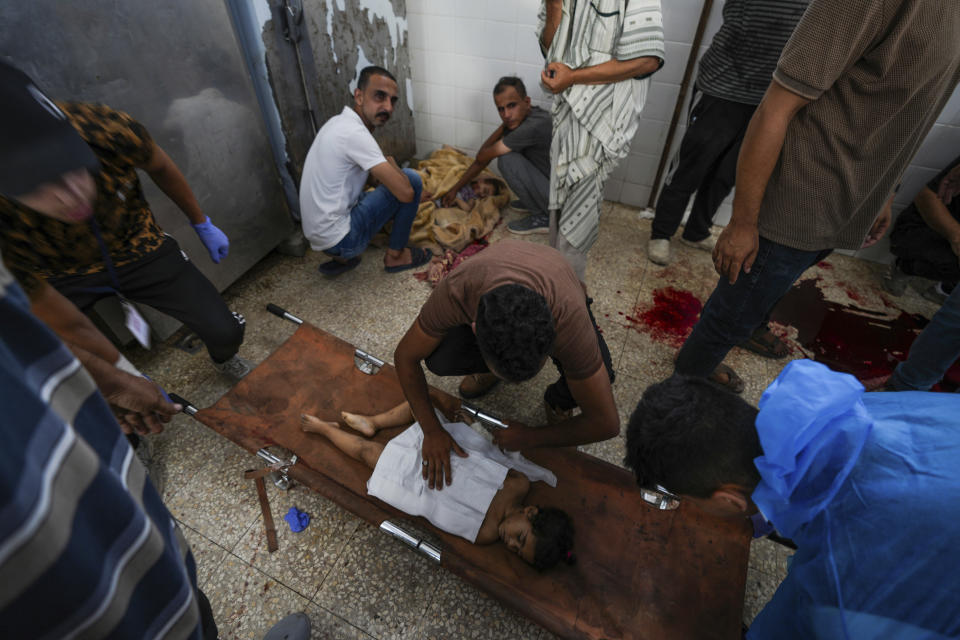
[(600, 56)]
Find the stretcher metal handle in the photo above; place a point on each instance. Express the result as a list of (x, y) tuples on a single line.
[(410, 540), (483, 417), (188, 408), (280, 312)]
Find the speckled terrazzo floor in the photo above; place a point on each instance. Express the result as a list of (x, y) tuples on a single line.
[(351, 580)]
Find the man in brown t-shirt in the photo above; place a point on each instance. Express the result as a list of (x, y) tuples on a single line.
[(857, 88), (499, 316)]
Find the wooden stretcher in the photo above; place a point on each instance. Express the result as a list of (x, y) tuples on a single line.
[(639, 573)]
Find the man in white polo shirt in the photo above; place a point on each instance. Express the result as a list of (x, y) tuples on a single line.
[(338, 216)]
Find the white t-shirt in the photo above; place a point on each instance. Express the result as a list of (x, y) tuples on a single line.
[(334, 174)]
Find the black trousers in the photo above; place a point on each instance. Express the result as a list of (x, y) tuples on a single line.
[(706, 163), (208, 625), (458, 354), (923, 252), (166, 280)]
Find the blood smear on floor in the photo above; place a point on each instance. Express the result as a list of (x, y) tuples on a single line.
[(670, 319)]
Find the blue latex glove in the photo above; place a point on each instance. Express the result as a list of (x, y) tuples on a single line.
[(213, 239), (298, 520)]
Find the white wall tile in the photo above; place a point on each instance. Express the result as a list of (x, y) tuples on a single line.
[(425, 148), (661, 101), (467, 9), (418, 64), (612, 189), (415, 28), (680, 19), (442, 100), (444, 130), (444, 38), (423, 126), (675, 54), (526, 10), (649, 138), (722, 216), (914, 179), (499, 41), (634, 195), (641, 168), (528, 49), (468, 135), (501, 10), (951, 111), (470, 104), (438, 7), (939, 148), (421, 97), (469, 34)]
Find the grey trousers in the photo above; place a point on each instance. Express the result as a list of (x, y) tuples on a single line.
[(525, 180)]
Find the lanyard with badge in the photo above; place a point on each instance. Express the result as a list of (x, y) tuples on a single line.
[(132, 318)]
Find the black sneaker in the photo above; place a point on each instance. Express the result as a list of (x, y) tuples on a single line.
[(534, 223)]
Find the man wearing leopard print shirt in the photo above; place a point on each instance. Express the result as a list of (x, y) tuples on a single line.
[(118, 248)]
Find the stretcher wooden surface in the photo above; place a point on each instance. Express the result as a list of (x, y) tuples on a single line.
[(640, 573)]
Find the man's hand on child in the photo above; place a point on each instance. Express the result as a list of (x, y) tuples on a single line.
[(449, 198), (436, 458)]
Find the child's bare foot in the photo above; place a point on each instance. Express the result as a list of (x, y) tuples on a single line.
[(359, 423), (313, 424)]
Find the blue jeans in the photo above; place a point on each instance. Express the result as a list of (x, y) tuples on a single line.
[(734, 312), (375, 209), (934, 350)]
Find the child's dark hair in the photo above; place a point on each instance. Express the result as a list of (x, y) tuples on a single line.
[(554, 531), (515, 332), (497, 187)]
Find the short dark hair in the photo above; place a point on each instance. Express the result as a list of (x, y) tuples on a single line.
[(510, 81), (515, 332), (691, 436), (372, 70), (554, 531)]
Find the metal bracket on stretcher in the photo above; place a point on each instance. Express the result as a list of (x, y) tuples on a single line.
[(365, 362), (279, 468)]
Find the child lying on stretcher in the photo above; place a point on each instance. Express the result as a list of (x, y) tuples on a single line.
[(485, 502), (479, 188)]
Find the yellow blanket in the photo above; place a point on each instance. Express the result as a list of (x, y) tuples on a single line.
[(440, 228)]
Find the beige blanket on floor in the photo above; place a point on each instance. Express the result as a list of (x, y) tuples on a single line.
[(440, 228)]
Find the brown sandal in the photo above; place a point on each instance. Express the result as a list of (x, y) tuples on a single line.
[(728, 378), (766, 343)]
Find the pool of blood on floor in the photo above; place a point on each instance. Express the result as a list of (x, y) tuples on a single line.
[(865, 343), (670, 319)]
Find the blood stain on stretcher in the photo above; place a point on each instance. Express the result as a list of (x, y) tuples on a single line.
[(863, 342), (670, 319)]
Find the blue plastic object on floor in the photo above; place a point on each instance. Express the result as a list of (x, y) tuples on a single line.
[(298, 520)]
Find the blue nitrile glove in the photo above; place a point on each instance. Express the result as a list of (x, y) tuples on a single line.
[(213, 239), (298, 520)]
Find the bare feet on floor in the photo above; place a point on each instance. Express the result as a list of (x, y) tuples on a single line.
[(313, 424), (359, 423)]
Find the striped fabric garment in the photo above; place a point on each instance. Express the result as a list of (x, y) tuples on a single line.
[(593, 125), (87, 548), (739, 64)]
